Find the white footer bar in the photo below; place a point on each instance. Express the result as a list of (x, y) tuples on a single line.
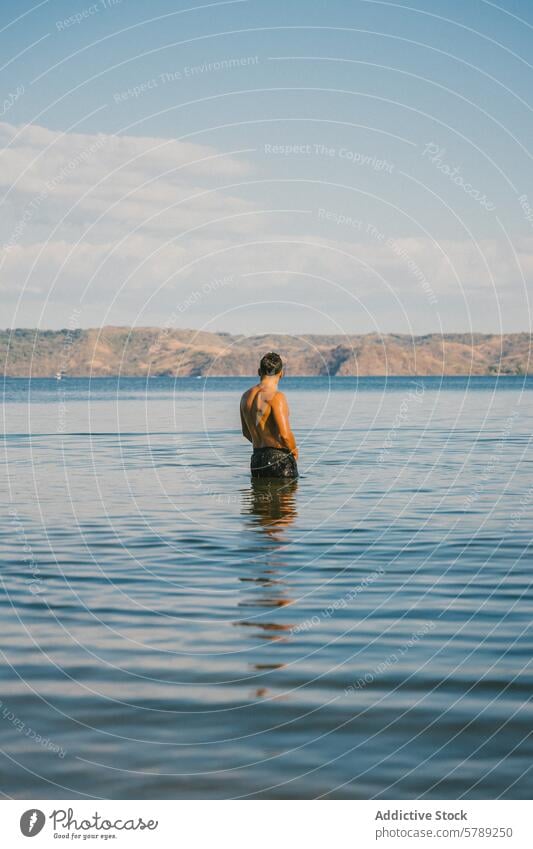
[(266, 824)]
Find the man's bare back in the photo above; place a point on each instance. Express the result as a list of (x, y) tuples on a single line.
[(265, 419)]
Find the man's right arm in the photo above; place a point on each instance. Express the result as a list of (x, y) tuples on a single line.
[(280, 410)]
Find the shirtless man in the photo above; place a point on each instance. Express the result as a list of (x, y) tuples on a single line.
[(265, 423)]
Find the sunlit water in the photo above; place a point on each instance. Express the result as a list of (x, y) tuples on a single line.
[(170, 631)]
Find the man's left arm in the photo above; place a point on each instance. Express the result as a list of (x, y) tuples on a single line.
[(245, 432)]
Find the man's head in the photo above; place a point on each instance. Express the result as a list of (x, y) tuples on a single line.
[(270, 365)]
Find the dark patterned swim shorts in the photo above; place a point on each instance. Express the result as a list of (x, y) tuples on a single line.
[(273, 463)]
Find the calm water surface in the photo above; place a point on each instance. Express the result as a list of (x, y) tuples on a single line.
[(169, 630)]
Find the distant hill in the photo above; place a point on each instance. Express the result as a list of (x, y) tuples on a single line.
[(159, 351)]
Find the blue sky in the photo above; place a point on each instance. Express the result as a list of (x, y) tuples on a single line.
[(264, 166)]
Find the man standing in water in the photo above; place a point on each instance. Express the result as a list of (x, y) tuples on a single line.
[(265, 423)]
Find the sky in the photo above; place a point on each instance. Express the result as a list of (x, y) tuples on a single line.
[(256, 166)]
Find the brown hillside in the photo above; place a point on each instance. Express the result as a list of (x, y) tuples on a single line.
[(159, 351)]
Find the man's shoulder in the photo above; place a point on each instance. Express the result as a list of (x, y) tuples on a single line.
[(245, 395), (279, 398)]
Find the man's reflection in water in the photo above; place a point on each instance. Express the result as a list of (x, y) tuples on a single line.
[(273, 504), (271, 508)]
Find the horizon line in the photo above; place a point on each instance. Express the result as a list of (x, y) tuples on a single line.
[(268, 332)]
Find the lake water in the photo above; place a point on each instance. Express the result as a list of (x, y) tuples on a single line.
[(171, 631)]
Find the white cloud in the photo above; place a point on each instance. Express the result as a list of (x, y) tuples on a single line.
[(114, 211)]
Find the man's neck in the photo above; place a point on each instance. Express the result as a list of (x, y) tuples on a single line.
[(270, 381)]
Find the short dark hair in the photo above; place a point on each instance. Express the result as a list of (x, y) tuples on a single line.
[(270, 364)]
